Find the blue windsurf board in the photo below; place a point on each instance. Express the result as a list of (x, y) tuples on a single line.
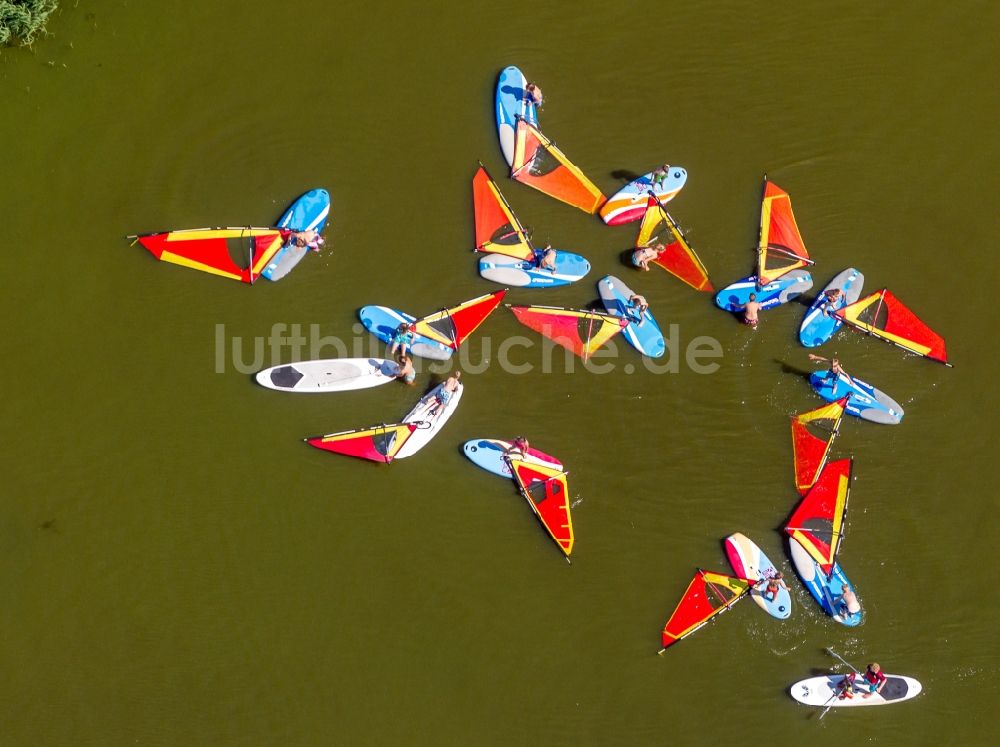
[(826, 590), (864, 401), (310, 211), (383, 322), (784, 289), (512, 103), (642, 332), (521, 273), (819, 324)]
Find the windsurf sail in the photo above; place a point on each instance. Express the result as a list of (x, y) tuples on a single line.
[(781, 248), (678, 258), (818, 521), (236, 253), (885, 316), (540, 164), (451, 326), (497, 228), (379, 443), (706, 596), (581, 332), (813, 433), (547, 491)]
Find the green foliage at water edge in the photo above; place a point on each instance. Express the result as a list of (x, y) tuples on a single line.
[(21, 20)]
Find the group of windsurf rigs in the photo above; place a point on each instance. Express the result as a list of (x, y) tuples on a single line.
[(508, 257)]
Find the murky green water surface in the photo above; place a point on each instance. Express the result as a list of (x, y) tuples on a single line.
[(178, 568)]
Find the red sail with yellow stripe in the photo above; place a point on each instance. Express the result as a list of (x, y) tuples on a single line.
[(451, 326), (497, 228), (781, 248), (235, 253), (708, 595), (813, 433), (677, 258), (547, 492), (378, 443), (885, 316), (540, 164), (581, 332), (818, 522)]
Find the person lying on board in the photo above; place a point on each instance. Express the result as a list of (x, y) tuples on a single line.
[(835, 368), (644, 254), (307, 239), (874, 678), (547, 259), (533, 94), (402, 339), (444, 394), (407, 373), (771, 586), (847, 602), (637, 307), (750, 309), (518, 446)]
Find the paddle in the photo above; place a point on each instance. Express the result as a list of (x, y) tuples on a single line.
[(846, 663)]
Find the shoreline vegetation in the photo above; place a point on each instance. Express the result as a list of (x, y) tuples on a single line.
[(22, 20)]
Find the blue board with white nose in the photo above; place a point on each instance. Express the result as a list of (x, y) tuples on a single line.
[(629, 202)]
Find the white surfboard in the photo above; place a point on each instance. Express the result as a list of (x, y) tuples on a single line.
[(430, 424), (331, 375), (823, 691)]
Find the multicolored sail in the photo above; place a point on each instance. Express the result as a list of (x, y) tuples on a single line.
[(818, 522), (379, 443), (678, 258), (547, 491), (885, 316), (540, 164), (497, 228), (706, 596), (813, 433), (581, 332), (451, 326), (216, 250), (781, 248)]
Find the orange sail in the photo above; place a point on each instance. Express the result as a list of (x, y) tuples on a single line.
[(497, 228), (216, 250), (540, 164), (813, 433), (818, 522), (581, 332), (885, 316), (547, 492), (781, 248), (677, 258), (708, 595), (451, 326)]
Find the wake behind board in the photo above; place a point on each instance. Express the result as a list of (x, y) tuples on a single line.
[(642, 332), (824, 691), (382, 322), (864, 400), (521, 273), (826, 590), (333, 375), (749, 562), (430, 425), (819, 324), (511, 103), (309, 211), (629, 202), (490, 454), (784, 289)]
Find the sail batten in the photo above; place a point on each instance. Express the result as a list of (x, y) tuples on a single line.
[(708, 595), (780, 248), (883, 315), (678, 258), (540, 164)]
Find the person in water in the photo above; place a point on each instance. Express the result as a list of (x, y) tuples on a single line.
[(518, 446), (645, 254), (772, 586), (402, 339), (547, 259), (637, 306), (835, 368), (306, 239), (659, 176), (750, 309), (407, 373), (445, 393), (533, 94), (874, 678), (847, 602)]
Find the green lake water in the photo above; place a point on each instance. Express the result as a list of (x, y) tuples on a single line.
[(178, 568)]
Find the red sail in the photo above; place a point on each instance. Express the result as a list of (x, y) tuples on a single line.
[(781, 248), (452, 326), (497, 229), (677, 258), (707, 595), (546, 489), (581, 332), (883, 315), (813, 433), (212, 249), (818, 522), (540, 164), (379, 443)]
